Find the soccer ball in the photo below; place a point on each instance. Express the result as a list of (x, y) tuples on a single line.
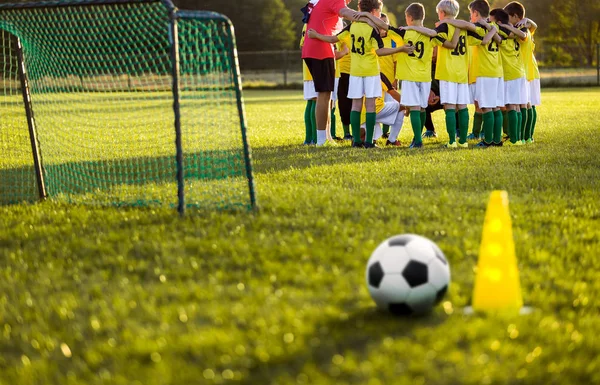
[(407, 274)]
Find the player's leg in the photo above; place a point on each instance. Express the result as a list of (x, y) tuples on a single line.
[(395, 129), (372, 86), (448, 98), (323, 73), (536, 100), (410, 99), (497, 138), (310, 95), (334, 98), (344, 104), (356, 93), (370, 122), (463, 99)]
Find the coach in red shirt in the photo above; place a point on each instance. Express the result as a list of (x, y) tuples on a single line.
[(319, 56)]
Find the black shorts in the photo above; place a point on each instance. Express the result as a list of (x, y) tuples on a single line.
[(323, 73)]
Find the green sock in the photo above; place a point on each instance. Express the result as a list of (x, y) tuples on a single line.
[(417, 126), (423, 117), (505, 128), (371, 117), (385, 128), (313, 117), (463, 124), (488, 127), (346, 129), (498, 126), (451, 124), (533, 120), (513, 120), (355, 123), (333, 122), (477, 122), (519, 120), (524, 122), (308, 122), (529, 124)]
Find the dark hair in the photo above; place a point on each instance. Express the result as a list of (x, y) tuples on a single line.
[(500, 15), (416, 11), (369, 5), (515, 8), (481, 6)]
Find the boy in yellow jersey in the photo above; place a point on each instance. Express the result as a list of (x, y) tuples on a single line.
[(414, 69), (489, 85), (344, 104), (388, 111), (341, 51), (452, 70), (387, 64), (365, 44), (515, 84), (516, 16), (310, 95)]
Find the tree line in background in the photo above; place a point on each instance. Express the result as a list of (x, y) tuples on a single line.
[(569, 30), (568, 35)]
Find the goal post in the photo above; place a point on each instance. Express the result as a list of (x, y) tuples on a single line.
[(131, 103)]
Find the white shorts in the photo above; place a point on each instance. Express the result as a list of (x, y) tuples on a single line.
[(454, 93), (535, 92), (335, 89), (309, 90), (367, 86), (415, 93), (515, 91), (388, 98), (472, 88), (489, 92), (388, 113)]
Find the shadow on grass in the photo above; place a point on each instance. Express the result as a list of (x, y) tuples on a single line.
[(351, 335), (72, 178), (19, 184)]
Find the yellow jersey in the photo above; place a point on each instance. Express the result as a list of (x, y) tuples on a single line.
[(379, 102), (414, 67), (387, 64), (527, 48), (306, 75), (471, 53), (486, 58), (452, 64), (510, 52), (344, 63), (362, 40)]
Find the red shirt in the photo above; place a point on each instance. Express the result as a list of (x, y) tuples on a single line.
[(324, 19)]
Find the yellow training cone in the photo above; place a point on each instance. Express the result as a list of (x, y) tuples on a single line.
[(497, 286)]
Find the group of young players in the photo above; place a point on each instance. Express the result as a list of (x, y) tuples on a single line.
[(488, 62)]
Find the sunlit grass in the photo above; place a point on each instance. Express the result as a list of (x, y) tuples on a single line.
[(92, 295)]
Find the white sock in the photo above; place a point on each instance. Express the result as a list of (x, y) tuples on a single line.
[(321, 137), (395, 128), (378, 133)]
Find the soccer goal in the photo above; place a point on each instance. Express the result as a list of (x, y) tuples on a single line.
[(123, 103)]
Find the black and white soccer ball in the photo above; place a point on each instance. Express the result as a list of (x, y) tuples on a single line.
[(407, 274)]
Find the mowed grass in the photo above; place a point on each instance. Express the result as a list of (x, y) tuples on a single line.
[(140, 296)]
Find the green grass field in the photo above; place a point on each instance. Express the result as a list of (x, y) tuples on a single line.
[(93, 295)]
